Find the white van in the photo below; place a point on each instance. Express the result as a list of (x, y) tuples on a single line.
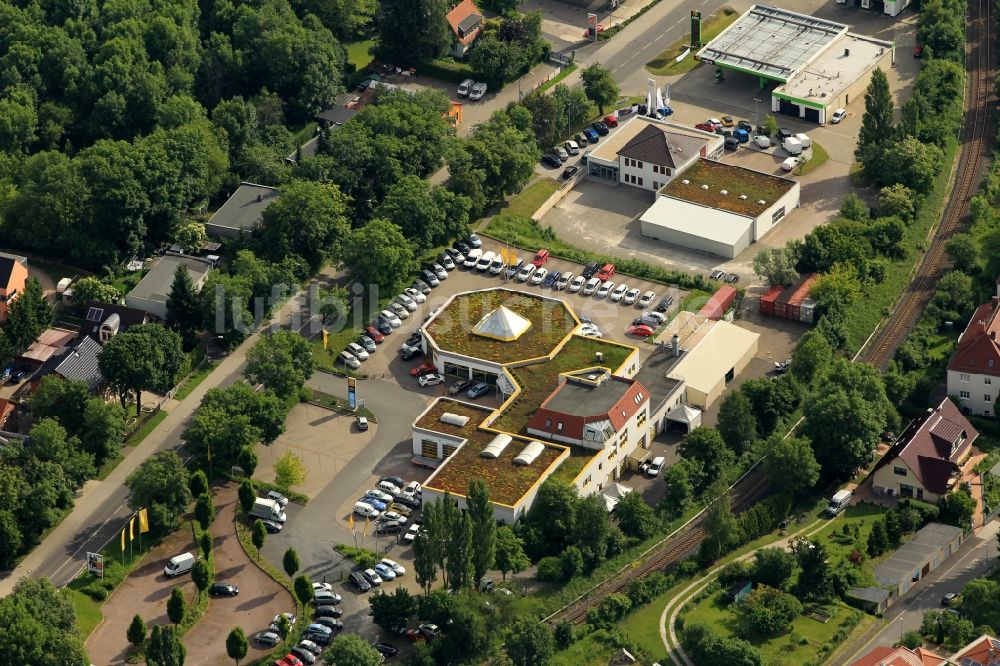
[(485, 261), (804, 140), (790, 163), (179, 564), (472, 258), (656, 466), (840, 501), (792, 146), (497, 267), (365, 509)]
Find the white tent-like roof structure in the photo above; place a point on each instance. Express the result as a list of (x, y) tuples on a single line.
[(689, 416), (502, 324), (614, 494)]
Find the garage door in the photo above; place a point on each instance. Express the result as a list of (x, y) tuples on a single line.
[(786, 107), (812, 114)]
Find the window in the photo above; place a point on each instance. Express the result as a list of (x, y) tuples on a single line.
[(559, 427), (962, 376), (899, 471), (778, 214), (963, 394), (987, 398), (656, 185), (920, 493), (987, 380), (639, 165), (656, 168), (548, 423), (640, 182), (623, 440), (641, 418)]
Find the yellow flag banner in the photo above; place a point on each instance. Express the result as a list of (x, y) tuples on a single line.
[(326, 338), (123, 539), (131, 528), (143, 521)]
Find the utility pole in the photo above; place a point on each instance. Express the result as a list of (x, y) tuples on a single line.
[(756, 116)]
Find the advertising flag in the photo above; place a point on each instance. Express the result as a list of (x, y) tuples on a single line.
[(143, 521), (352, 393), (326, 338), (350, 521), (123, 539), (131, 528)]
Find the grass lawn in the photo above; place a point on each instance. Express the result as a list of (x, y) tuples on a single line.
[(307, 132), (566, 71), (806, 640), (819, 156), (865, 314), (191, 381), (531, 198), (594, 649), (358, 53), (108, 467), (695, 301), (88, 613), (665, 64), (838, 546), (136, 438)]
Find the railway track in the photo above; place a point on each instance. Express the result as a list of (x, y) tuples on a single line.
[(972, 163), (745, 494)]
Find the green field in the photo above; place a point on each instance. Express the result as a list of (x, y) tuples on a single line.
[(528, 201), (819, 157), (594, 649), (357, 53)]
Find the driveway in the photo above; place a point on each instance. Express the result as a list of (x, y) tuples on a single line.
[(259, 600), (145, 593)]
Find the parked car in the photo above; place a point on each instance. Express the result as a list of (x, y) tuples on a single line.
[(630, 296), (705, 127), (385, 649), (379, 495), (359, 582), (646, 319), (590, 331), (391, 318), (223, 590), (572, 147), (329, 623), (664, 303), (569, 172), (581, 140), (591, 286), (512, 270), (429, 630), (328, 611), (563, 281), (640, 330), (464, 87), (409, 352), (430, 277), (324, 596), (267, 638), (745, 125), (610, 121), (539, 275), (374, 503), (272, 526), (445, 260), (462, 246), (476, 390), (591, 134), (349, 360), (474, 241), (422, 369), (414, 635), (761, 141), (589, 270), (311, 647), (422, 286), (455, 255), (318, 637), (358, 351), (372, 577), (618, 293), (526, 271), (374, 334), (646, 298), (601, 128), (605, 289), (431, 379), (304, 655), (550, 279), (727, 121), (367, 343), (411, 533), (656, 466), (385, 572), (277, 618), (731, 143), (576, 284), (397, 568), (561, 152), (784, 133), (790, 163), (540, 258), (731, 278), (277, 497), (551, 160), (607, 270), (394, 515), (397, 481), (478, 91), (459, 386)]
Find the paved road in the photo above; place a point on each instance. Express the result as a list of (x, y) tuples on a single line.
[(974, 558)]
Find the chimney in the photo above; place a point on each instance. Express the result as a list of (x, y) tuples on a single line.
[(847, 52), (675, 345)]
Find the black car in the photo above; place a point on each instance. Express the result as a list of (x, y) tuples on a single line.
[(359, 582), (732, 143), (784, 133), (328, 611), (406, 500), (387, 649), (552, 160), (414, 339), (569, 172), (383, 327), (430, 277), (664, 303), (459, 386), (590, 269), (223, 590), (732, 278), (329, 622), (462, 246), (272, 526), (601, 128), (394, 480), (551, 278), (745, 125), (304, 655), (389, 527), (318, 638), (646, 320)]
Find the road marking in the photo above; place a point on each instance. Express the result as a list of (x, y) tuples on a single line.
[(72, 558)]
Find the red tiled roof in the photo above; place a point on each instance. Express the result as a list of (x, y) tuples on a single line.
[(619, 413), (981, 651), (901, 656), (978, 351), (459, 13), (926, 446)]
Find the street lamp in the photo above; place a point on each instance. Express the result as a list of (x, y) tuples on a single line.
[(756, 117)]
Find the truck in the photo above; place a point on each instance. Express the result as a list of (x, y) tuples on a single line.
[(804, 140), (840, 501), (792, 145), (267, 509)]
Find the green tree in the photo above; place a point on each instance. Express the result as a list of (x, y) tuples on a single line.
[(247, 494), (844, 429), (791, 464), (145, 357), (573, 104), (176, 605), (309, 220), (237, 645), (981, 601), (914, 164), (90, 288), (897, 201), (28, 315), (258, 536), (290, 562), (379, 254), (635, 517), (42, 622), (204, 510), (484, 529), (352, 650), (201, 574), (529, 643), (136, 633), (878, 542), (893, 528), (721, 530), (770, 125), (460, 553), (303, 589), (599, 84), (876, 123), (165, 647), (737, 424), (206, 543), (510, 555), (50, 443), (814, 574), (10, 539), (853, 208), (61, 399), (772, 566), (962, 251), (392, 611), (412, 32), (289, 470), (428, 215), (679, 492), (776, 265), (591, 530), (198, 483), (425, 555), (954, 297), (183, 309), (811, 357), (957, 508), (191, 237), (839, 287), (281, 361), (770, 611), (548, 118), (705, 446), (231, 420), (161, 484)]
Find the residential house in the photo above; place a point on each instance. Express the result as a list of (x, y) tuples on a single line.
[(78, 362), (466, 21), (925, 460), (103, 321), (984, 651), (49, 343), (153, 290), (974, 368), (899, 656), (243, 211), (13, 273)]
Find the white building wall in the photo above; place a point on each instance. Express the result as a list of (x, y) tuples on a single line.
[(603, 468), (974, 393), (631, 172), (693, 242), (773, 216)]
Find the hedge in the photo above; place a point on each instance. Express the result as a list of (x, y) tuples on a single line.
[(448, 70)]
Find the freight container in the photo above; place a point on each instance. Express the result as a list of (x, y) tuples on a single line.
[(807, 311), (720, 301), (767, 300)]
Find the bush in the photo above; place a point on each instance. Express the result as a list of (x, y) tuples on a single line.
[(550, 569), (448, 70)]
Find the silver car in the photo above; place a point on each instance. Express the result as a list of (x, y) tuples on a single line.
[(349, 360), (399, 310), (477, 92), (440, 271)]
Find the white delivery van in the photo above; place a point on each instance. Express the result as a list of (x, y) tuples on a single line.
[(790, 163), (485, 261), (472, 258), (840, 501), (656, 466), (179, 564), (792, 145), (804, 140), (267, 509)]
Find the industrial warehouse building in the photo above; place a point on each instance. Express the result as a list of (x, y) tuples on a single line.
[(719, 208), (817, 64)]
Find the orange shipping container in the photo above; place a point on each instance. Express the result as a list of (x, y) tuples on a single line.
[(767, 300)]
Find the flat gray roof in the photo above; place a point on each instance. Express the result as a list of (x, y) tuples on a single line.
[(875, 595), (772, 42), (912, 556), (243, 211), (839, 66), (156, 284), (580, 399), (653, 375)]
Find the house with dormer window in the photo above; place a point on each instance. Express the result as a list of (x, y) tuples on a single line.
[(925, 462), (974, 368), (466, 22)]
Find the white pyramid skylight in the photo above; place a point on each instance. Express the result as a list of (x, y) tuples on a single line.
[(502, 324)]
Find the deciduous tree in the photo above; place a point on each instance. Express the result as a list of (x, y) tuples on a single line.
[(204, 510), (770, 611), (599, 84), (776, 265), (237, 645), (484, 529), (737, 424), (529, 643), (160, 481), (962, 251), (636, 517), (201, 574), (143, 358), (136, 633), (289, 470), (392, 611), (176, 605), (165, 647), (90, 288), (510, 555), (720, 524), (281, 361), (290, 562), (791, 464), (259, 535), (705, 446), (379, 254), (352, 650), (309, 220), (773, 566)]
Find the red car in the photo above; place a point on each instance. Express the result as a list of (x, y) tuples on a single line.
[(424, 368), (373, 333), (540, 258), (918, 51), (705, 127), (640, 330), (610, 121), (415, 635), (607, 270)]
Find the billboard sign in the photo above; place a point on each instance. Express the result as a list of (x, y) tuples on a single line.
[(95, 564), (695, 29), (352, 393)]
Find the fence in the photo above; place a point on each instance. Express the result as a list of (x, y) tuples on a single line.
[(565, 188)]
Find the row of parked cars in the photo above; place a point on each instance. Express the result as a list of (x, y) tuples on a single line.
[(589, 135), (471, 89)]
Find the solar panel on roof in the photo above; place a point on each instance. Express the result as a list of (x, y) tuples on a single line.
[(94, 314), (969, 662)]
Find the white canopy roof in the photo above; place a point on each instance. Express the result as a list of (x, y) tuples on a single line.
[(502, 324), (614, 494), (684, 414)]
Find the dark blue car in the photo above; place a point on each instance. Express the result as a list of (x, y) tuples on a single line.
[(591, 135), (550, 279)]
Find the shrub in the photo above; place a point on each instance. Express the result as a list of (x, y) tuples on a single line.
[(550, 569)]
